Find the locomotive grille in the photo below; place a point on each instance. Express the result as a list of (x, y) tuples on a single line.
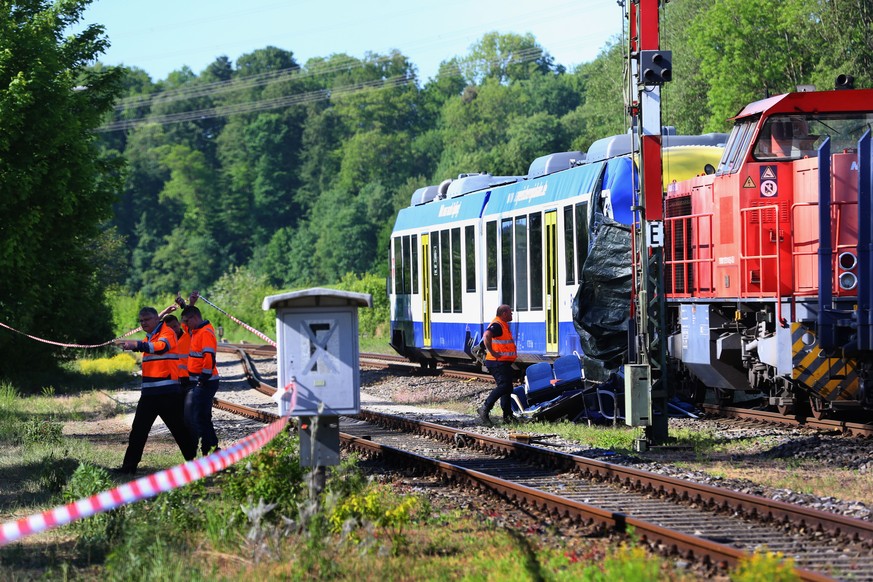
[(768, 216), (678, 236)]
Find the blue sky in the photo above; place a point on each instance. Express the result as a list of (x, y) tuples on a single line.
[(160, 36)]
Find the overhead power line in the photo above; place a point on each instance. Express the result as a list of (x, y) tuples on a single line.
[(259, 105), (220, 87)]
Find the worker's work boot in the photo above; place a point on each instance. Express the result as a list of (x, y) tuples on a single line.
[(483, 416)]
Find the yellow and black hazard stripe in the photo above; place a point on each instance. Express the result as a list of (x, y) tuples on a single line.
[(831, 377)]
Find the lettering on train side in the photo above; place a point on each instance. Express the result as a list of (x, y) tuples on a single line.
[(450, 210), (531, 193)]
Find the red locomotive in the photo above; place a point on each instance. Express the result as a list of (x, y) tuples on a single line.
[(768, 266)]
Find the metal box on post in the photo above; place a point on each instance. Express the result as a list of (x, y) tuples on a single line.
[(637, 396), (318, 360)]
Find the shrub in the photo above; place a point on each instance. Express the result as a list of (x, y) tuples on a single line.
[(97, 531), (378, 506), (764, 565), (273, 475), (119, 363), (44, 432)]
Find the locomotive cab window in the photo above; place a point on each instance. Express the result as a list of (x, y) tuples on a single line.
[(799, 135), (736, 147)]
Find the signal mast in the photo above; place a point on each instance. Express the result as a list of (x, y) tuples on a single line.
[(646, 375)]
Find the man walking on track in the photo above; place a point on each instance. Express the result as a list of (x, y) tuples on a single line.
[(161, 391), (203, 372), (501, 354)]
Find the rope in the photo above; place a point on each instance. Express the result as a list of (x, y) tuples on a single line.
[(63, 345), (238, 322), (142, 488)]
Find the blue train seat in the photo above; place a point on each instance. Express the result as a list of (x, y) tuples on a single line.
[(568, 372), (539, 383)]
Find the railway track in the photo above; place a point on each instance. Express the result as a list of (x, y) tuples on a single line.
[(674, 516), (857, 429)]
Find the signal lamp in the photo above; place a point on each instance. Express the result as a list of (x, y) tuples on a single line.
[(848, 281), (847, 260)]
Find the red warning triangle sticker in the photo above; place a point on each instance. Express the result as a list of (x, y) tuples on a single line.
[(768, 173), (749, 183)]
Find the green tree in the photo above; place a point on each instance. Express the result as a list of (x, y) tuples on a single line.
[(505, 57), (749, 49), (55, 187)]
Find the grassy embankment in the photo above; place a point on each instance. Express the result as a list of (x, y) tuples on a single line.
[(256, 521)]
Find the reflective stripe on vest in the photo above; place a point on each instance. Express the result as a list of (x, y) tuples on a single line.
[(504, 348)]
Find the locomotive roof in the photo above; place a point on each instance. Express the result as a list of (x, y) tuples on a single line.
[(811, 102)]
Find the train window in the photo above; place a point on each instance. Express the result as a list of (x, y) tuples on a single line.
[(398, 266), (435, 272), (798, 135), (456, 270), (414, 263), (407, 279), (446, 271), (491, 253), (581, 237), (506, 261), (521, 297), (536, 261), (470, 244), (569, 246)]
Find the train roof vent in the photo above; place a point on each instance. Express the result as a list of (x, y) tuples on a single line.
[(424, 194), (544, 165), (472, 182), (621, 145)]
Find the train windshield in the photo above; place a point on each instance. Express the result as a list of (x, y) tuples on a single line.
[(796, 136)]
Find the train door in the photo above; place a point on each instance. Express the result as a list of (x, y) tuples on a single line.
[(425, 289), (551, 257)]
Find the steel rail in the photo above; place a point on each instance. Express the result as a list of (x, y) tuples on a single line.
[(857, 429)]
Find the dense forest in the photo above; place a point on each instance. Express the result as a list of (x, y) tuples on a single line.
[(273, 173)]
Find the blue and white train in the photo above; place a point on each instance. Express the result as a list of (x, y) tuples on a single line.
[(465, 247)]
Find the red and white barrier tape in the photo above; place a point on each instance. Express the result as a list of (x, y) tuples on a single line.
[(238, 322), (140, 489), (63, 345)]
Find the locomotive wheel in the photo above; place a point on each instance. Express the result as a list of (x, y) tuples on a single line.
[(817, 408), (785, 409)]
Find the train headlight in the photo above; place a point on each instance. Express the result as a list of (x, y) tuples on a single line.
[(848, 281), (848, 260)]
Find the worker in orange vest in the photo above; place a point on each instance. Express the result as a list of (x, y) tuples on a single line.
[(203, 371), (161, 392), (501, 353)]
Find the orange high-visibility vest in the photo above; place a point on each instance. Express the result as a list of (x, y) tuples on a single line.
[(182, 348), (503, 346), (159, 372), (201, 355)]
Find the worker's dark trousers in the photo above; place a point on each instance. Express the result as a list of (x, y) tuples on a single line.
[(198, 410), (170, 407), (504, 376)]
